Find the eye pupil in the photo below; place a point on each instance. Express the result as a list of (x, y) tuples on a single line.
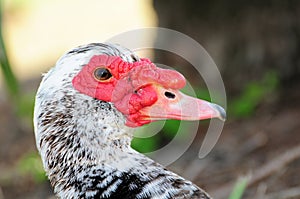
[(102, 74)]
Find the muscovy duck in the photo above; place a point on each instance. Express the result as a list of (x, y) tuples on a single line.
[(85, 110)]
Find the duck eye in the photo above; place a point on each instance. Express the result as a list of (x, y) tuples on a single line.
[(102, 74)]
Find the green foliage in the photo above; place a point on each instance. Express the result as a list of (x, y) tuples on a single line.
[(171, 127), (26, 105), (23, 103), (145, 145), (148, 143), (10, 79), (31, 165), (203, 93), (239, 188), (253, 94)]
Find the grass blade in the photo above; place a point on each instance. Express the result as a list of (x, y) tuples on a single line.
[(239, 188), (10, 79)]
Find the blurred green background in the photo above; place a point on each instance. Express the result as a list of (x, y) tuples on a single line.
[(255, 44)]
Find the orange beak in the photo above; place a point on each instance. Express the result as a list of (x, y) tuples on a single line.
[(173, 104)]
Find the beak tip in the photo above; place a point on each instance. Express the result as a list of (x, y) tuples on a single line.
[(221, 111)]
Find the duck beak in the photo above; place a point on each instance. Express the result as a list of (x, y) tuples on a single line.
[(173, 104)]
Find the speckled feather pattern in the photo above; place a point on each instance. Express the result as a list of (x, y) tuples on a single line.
[(85, 145)]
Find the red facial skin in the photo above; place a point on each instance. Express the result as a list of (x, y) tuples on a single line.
[(135, 90)]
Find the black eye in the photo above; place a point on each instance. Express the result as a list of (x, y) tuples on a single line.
[(102, 74)]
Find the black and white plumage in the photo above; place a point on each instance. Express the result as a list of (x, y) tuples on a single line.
[(84, 142)]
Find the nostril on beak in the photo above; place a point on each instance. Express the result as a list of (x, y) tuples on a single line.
[(170, 95)]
